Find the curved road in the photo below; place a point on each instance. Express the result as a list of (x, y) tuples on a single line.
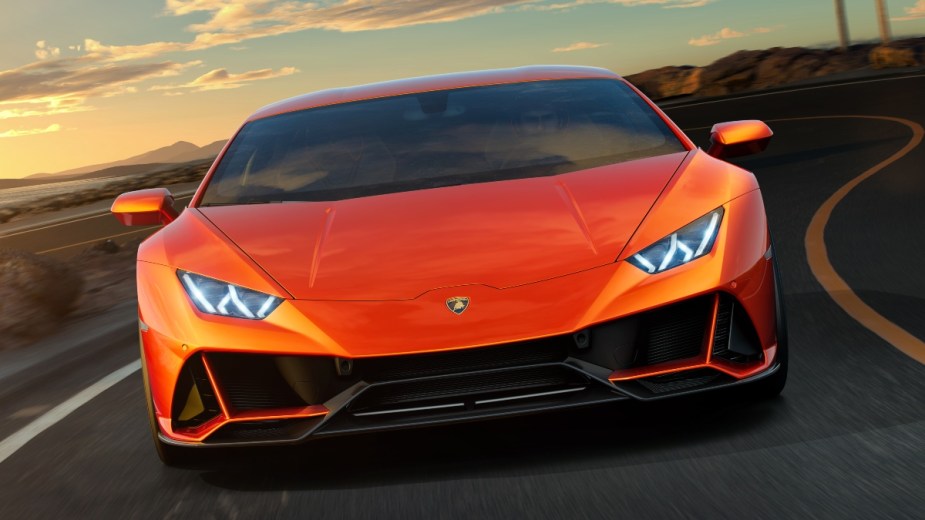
[(845, 440)]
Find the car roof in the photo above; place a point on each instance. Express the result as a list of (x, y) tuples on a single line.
[(431, 83)]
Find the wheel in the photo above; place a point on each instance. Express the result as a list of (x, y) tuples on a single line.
[(170, 455), (771, 386)]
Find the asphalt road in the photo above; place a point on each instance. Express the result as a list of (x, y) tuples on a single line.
[(845, 440), (64, 238)]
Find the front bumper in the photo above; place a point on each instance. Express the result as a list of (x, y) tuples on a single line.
[(700, 344)]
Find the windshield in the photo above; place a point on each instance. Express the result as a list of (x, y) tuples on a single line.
[(435, 139)]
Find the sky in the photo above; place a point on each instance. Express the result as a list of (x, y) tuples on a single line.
[(91, 81)]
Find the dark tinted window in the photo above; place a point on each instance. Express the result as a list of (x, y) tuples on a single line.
[(438, 139)]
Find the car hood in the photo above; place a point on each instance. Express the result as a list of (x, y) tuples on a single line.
[(399, 246)]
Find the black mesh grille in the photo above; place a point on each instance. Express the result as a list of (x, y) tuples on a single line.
[(723, 324), (252, 382), (674, 332)]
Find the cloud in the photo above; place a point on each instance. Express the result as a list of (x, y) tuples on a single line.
[(48, 109), (32, 131), (222, 79), (691, 3), (62, 85), (726, 34), (664, 4), (43, 51), (234, 22), (712, 39), (579, 46), (914, 12)]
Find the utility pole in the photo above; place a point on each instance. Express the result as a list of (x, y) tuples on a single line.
[(842, 23), (884, 20)]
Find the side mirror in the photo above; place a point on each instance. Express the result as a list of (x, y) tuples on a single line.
[(145, 207), (738, 138)]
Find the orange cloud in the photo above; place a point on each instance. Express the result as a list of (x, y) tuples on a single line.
[(235, 22), (33, 131), (62, 85), (914, 12), (43, 51), (579, 46), (665, 4), (726, 34), (222, 79)]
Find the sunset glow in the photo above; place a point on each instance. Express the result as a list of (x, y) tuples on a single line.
[(96, 81)]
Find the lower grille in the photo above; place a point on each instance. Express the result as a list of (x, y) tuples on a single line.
[(467, 390), (678, 381), (546, 350), (674, 332), (252, 382), (261, 431)]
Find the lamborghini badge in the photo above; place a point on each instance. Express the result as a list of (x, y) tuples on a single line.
[(457, 304)]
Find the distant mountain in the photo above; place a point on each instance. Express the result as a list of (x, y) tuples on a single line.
[(209, 151), (178, 152)]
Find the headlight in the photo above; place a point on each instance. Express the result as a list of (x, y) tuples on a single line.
[(223, 299), (692, 241)]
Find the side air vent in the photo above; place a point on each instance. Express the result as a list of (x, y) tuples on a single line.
[(735, 339), (194, 401), (251, 382)]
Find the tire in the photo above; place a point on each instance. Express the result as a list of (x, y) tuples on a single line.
[(771, 386)]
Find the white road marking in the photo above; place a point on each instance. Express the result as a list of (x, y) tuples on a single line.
[(14, 442)]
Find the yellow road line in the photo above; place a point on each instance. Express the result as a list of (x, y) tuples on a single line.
[(818, 256), (95, 240)]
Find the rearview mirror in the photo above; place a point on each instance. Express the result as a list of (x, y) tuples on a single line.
[(145, 207), (738, 138)]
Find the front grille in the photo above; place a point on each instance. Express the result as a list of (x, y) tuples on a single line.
[(674, 332), (678, 381), (252, 382), (261, 430), (467, 389), (546, 350)]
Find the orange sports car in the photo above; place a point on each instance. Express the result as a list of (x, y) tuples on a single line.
[(453, 248)]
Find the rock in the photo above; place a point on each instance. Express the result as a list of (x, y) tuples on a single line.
[(7, 213), (107, 246), (888, 57), (668, 81), (752, 70), (731, 73), (35, 292)]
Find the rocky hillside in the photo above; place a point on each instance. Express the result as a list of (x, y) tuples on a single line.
[(753, 70)]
